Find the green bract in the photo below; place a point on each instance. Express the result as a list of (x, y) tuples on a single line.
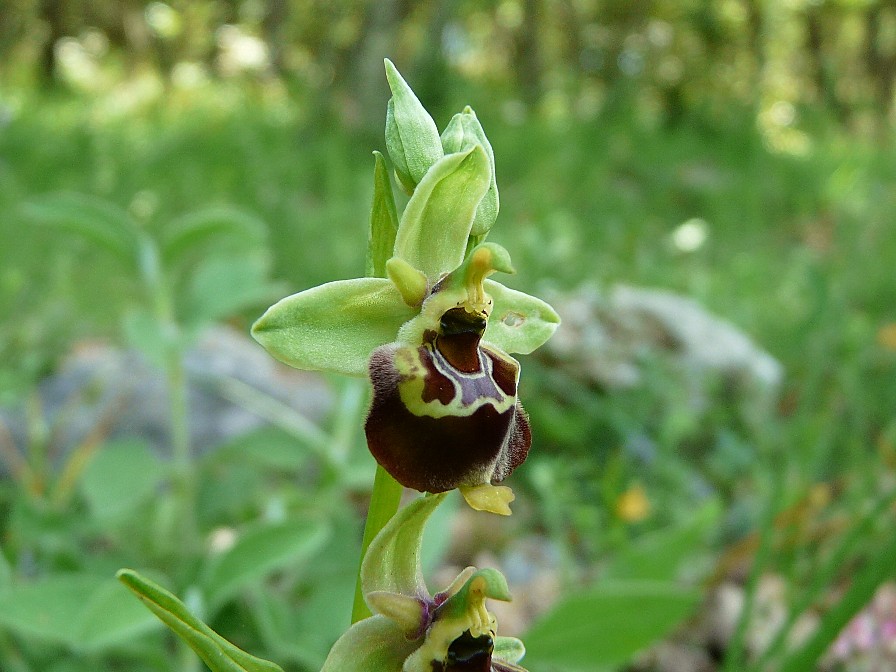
[(412, 630)]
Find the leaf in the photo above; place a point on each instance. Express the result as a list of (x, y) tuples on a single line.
[(84, 612), (434, 227), (98, 221), (259, 552), (333, 327), (222, 285), (383, 220), (120, 476), (145, 333), (393, 560), (219, 654), (606, 625), (519, 323), (660, 556), (264, 448), (189, 233)]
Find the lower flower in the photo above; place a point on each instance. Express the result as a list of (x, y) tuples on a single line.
[(413, 631)]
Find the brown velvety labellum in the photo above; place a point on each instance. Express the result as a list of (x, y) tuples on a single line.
[(435, 427)]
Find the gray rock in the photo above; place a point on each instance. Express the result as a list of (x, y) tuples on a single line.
[(610, 338), (116, 392)]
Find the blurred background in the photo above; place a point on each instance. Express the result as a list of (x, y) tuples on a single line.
[(705, 189)]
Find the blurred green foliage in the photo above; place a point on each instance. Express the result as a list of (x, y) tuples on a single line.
[(612, 125)]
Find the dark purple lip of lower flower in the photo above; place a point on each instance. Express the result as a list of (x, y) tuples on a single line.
[(473, 654), (467, 654)]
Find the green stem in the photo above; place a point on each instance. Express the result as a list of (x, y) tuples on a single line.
[(183, 477), (734, 657), (384, 503)]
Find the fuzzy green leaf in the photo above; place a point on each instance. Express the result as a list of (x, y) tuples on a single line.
[(432, 235), (333, 327), (519, 323), (219, 654)]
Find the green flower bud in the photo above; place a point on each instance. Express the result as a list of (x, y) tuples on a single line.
[(463, 132), (412, 138)]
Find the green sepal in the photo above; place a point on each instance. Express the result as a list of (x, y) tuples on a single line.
[(412, 138), (519, 323), (219, 654), (433, 231), (376, 644), (392, 562), (333, 327), (465, 131), (383, 221)]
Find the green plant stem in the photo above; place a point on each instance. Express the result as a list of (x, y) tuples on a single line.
[(734, 656), (879, 568), (824, 577), (184, 485), (384, 503)]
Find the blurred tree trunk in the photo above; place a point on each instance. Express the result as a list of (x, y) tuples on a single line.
[(361, 67), (755, 27), (57, 16), (528, 54), (880, 61), (824, 78), (431, 72), (275, 28)]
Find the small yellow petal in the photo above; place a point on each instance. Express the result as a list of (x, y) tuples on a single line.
[(491, 498), (633, 506), (411, 283), (886, 336)]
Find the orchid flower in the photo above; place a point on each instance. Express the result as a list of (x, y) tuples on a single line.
[(412, 630), (434, 335)]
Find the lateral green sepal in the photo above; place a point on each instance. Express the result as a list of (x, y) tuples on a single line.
[(333, 327), (219, 654)]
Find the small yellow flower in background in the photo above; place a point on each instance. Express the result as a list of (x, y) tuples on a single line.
[(886, 336), (632, 506)]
